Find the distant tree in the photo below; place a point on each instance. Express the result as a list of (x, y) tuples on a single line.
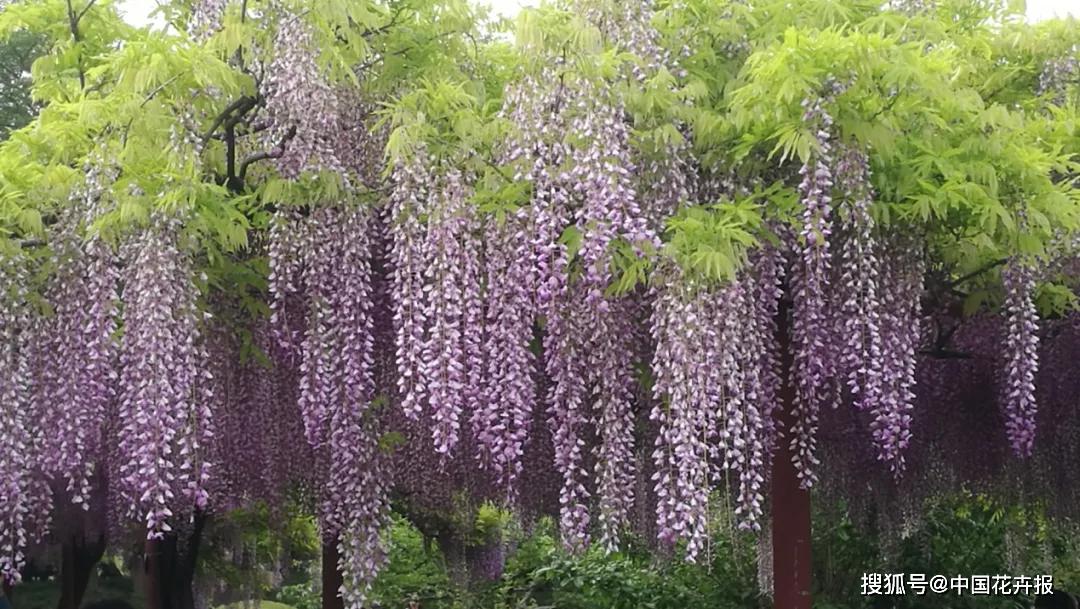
[(16, 56)]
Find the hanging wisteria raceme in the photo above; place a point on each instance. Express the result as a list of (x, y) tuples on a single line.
[(744, 340), (336, 389), (409, 258), (301, 104), (206, 18), (320, 374), (1021, 355), (362, 548), (453, 358), (26, 499), (289, 454), (257, 438), (664, 175), (611, 360), (683, 365), (1056, 76), (901, 289), (501, 422), (765, 291), (811, 337), (709, 368), (859, 326), (539, 114), (288, 308), (564, 365), (523, 270), (601, 175), (75, 400), (608, 210), (538, 107), (167, 426)]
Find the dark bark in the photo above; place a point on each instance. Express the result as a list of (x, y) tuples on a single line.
[(153, 592), (790, 503), (170, 572), (79, 556), (184, 582), (331, 576)]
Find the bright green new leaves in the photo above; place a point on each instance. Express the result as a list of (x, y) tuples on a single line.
[(982, 179), (711, 242), (964, 149)]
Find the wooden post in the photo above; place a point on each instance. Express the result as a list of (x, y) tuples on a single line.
[(790, 504)]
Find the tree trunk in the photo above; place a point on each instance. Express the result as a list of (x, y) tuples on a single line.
[(9, 593), (331, 576), (169, 575), (184, 582), (153, 592), (78, 559), (790, 504)]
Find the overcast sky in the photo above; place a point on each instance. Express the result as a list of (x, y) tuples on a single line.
[(138, 11)]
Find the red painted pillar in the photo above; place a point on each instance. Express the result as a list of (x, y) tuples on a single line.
[(790, 504)]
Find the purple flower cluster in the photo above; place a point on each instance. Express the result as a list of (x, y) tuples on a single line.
[(412, 186), (25, 500), (765, 291), (260, 446), (601, 174), (539, 112), (337, 385), (565, 367), (859, 327), (206, 16), (453, 353), (712, 384), (301, 104), (611, 360), (501, 422), (1056, 76), (901, 291), (167, 425), (811, 336), (76, 400), (683, 364), (288, 314), (607, 210), (1021, 355), (746, 429)]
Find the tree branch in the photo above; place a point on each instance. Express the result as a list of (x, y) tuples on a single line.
[(157, 90), (276, 153), (242, 105), (979, 271), (73, 24), (83, 12)]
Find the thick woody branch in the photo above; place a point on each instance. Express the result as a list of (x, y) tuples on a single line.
[(276, 153), (239, 107)]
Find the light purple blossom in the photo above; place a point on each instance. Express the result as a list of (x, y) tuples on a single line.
[(1021, 355)]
